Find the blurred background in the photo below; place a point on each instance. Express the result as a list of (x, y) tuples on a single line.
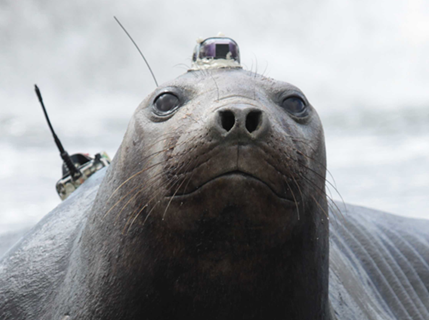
[(363, 64)]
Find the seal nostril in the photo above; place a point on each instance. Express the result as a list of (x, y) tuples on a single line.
[(227, 119), (253, 121)]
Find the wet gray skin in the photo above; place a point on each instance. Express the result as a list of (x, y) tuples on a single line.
[(215, 208)]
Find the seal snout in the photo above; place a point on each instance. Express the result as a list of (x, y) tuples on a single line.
[(241, 121)]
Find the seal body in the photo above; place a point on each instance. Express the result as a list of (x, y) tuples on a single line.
[(215, 207)]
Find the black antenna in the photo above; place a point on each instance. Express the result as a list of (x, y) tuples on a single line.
[(75, 172), (156, 82)]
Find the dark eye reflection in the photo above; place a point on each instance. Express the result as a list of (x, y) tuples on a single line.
[(166, 103), (295, 105)]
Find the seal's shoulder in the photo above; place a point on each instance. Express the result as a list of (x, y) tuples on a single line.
[(9, 239), (365, 225), (44, 250), (382, 256)]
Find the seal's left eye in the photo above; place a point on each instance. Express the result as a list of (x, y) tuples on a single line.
[(166, 103), (295, 105)]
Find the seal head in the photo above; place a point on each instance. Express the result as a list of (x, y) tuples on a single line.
[(214, 205)]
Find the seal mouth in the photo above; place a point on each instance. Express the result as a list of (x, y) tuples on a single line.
[(242, 174)]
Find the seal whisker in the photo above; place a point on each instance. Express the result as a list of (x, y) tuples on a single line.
[(324, 167), (182, 65), (189, 115), (307, 143), (334, 208), (255, 73), (133, 214), (132, 198), (323, 193), (189, 179), (117, 202), (251, 67), (161, 140), (327, 184), (146, 218), (192, 118), (316, 173), (147, 204), (217, 88), (266, 67), (302, 176), (254, 92), (294, 199), (299, 189), (256, 67), (140, 210), (150, 167), (165, 185), (152, 178), (171, 147), (169, 202), (157, 193), (203, 71), (320, 207), (178, 188), (133, 176)]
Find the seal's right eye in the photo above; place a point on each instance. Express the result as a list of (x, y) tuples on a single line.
[(295, 105), (166, 103)]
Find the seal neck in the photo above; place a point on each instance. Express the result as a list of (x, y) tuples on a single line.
[(288, 281)]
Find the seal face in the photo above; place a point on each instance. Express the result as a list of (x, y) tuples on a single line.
[(228, 137)]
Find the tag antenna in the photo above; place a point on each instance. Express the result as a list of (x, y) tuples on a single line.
[(141, 53), (75, 172)]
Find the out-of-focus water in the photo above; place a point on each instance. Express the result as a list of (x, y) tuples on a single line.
[(363, 65)]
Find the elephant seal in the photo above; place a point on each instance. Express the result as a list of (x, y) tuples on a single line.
[(215, 207)]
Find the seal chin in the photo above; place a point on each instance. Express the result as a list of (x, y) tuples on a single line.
[(239, 177)]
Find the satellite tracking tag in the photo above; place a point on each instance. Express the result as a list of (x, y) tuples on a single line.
[(216, 52), (78, 167)]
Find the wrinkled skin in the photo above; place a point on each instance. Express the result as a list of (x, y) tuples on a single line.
[(216, 211)]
